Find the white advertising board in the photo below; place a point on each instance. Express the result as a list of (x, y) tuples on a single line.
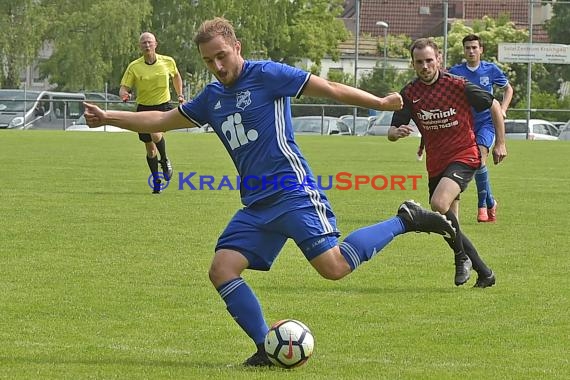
[(534, 53)]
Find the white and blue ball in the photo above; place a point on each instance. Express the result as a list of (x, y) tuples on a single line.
[(289, 343)]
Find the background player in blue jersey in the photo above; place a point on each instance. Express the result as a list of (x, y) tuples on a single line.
[(485, 75), (248, 108)]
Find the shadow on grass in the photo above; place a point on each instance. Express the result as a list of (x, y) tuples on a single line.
[(122, 362), (376, 289)]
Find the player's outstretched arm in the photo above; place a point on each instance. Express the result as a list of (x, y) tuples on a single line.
[(507, 97), (342, 93), (145, 122)]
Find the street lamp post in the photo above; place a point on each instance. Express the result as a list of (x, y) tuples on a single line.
[(384, 25), (356, 43)]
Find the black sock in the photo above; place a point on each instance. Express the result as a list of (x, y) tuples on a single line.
[(478, 263), (152, 165), (457, 243), (461, 245), (161, 146)]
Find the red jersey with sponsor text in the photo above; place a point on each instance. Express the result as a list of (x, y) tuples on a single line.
[(443, 114)]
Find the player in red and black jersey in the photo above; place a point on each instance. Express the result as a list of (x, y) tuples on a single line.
[(441, 106)]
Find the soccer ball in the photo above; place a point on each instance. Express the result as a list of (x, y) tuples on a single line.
[(289, 343)]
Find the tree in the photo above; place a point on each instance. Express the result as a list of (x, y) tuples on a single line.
[(398, 46), (174, 22), (557, 28), (380, 82), (546, 100), (310, 29), (267, 29), (88, 53), (383, 80), (22, 23), (280, 30), (492, 31)]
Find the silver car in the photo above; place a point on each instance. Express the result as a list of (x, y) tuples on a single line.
[(381, 124), (320, 125), (565, 132), (362, 123), (22, 109), (535, 129)]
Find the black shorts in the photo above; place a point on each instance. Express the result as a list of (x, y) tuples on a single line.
[(459, 172), (145, 137)]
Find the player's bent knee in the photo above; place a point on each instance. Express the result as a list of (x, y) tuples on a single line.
[(213, 276), (156, 137), (226, 265), (219, 275), (332, 275), (330, 266)]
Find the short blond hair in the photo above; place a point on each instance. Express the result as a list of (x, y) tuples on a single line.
[(210, 29)]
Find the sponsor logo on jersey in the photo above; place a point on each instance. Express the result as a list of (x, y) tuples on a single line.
[(436, 114)]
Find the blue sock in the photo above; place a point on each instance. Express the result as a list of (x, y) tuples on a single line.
[(482, 181), (490, 199), (363, 244), (243, 306)]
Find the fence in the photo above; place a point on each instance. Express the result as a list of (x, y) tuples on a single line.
[(20, 109)]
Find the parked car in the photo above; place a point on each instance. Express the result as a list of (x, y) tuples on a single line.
[(535, 129), (558, 125), (22, 109), (380, 125), (565, 132), (361, 123), (320, 125)]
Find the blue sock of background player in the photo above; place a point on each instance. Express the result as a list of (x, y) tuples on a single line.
[(485, 197)]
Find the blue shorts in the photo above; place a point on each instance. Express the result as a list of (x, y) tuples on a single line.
[(485, 136), (259, 233)]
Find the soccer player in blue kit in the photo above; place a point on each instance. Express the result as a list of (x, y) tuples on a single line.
[(485, 75), (249, 109)]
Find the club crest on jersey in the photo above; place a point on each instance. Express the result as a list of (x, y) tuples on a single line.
[(243, 99), (484, 81)]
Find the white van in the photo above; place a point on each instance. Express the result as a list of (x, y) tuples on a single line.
[(535, 129), (22, 109)]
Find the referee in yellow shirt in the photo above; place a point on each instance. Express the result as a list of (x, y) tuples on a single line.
[(150, 76)]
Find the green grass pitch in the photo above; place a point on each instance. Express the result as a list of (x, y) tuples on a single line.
[(99, 279)]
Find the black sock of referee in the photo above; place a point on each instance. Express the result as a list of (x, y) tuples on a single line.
[(152, 165), (161, 146), (462, 245)]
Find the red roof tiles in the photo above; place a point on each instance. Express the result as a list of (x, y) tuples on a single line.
[(420, 18)]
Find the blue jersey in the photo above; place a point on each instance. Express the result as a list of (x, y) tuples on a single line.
[(486, 76), (252, 118)]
